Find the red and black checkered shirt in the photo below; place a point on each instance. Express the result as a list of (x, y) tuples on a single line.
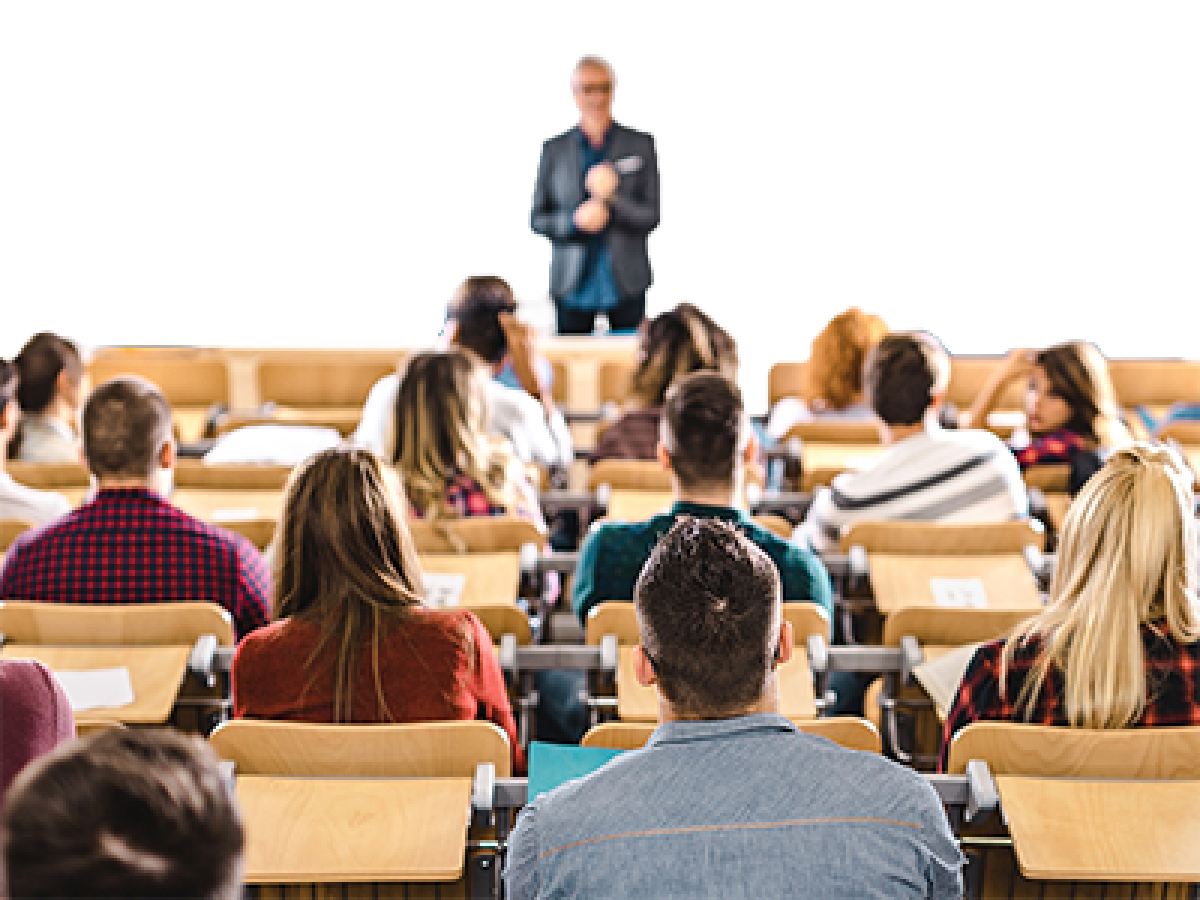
[(1172, 686), (130, 545), (1059, 446)]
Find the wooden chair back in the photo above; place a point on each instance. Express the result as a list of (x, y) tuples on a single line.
[(187, 376), (1154, 382), (501, 619), (629, 474), (425, 750), (492, 579), (848, 731), (1182, 431), (327, 378), (134, 624), (49, 476), (1050, 478), (944, 538), (199, 475), (776, 524), (1011, 748), (969, 374), (619, 618), (258, 531), (10, 529), (613, 376), (637, 505), (787, 379), (834, 431), (941, 626), (478, 534)]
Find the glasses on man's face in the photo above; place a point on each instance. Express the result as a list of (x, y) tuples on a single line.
[(600, 87)]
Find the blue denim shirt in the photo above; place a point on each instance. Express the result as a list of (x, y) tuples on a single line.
[(743, 807)]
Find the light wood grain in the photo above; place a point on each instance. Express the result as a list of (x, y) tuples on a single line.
[(943, 538), (322, 830), (620, 619), (477, 534), (492, 579), (1137, 830), (898, 581), (219, 505), (155, 672), (821, 463), (848, 731), (133, 624), (637, 506)]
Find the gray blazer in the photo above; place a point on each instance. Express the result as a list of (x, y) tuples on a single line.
[(633, 209)]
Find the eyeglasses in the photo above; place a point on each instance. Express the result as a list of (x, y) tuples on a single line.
[(600, 87)]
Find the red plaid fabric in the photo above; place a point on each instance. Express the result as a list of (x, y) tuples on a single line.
[(466, 497), (130, 545), (1172, 681), (1053, 447)]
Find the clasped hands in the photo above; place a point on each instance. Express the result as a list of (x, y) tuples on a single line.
[(591, 216)]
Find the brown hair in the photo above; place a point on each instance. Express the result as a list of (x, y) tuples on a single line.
[(903, 373), (835, 362), (702, 429), (123, 813), (476, 308), (677, 342), (39, 363), (345, 561), (1078, 374), (126, 421), (708, 606)]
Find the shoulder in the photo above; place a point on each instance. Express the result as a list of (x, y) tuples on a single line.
[(559, 141), (608, 533), (632, 135), (511, 402)]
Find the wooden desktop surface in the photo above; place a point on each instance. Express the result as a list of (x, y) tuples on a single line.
[(820, 463), (636, 703), (898, 581), (1111, 830), (156, 674), (319, 830), (217, 506)]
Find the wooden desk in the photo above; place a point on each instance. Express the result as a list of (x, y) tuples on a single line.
[(820, 463), (898, 581), (319, 830), (155, 672), (1112, 830), (636, 703)]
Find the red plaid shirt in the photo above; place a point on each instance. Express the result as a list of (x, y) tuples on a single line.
[(130, 545), (1172, 682), (466, 497), (1052, 447)]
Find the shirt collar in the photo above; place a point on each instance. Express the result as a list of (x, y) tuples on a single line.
[(704, 511), (56, 425), (693, 730)]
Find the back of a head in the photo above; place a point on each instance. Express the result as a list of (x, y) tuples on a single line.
[(671, 345), (708, 605), (703, 429), (39, 363), (476, 308), (123, 813), (126, 421), (835, 363), (903, 374), (1078, 374)]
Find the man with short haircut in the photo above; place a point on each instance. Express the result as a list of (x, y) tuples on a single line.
[(926, 473), (729, 798), (124, 813), (129, 544), (705, 443)]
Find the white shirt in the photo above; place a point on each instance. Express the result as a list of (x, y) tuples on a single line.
[(937, 475), (27, 504), (512, 414)]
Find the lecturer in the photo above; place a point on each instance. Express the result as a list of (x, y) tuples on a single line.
[(596, 199)]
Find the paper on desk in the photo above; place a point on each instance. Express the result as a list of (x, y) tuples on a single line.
[(443, 588), (959, 592), (941, 677), (96, 688)]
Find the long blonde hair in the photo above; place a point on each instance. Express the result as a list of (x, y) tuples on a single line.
[(439, 430), (1127, 558), (345, 562)]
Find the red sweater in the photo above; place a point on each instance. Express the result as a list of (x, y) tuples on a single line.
[(427, 674), (35, 716)]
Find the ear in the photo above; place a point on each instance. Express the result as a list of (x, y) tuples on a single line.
[(787, 641), (642, 670), (166, 456), (750, 454), (664, 458)]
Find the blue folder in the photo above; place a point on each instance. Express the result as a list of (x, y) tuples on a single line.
[(553, 764)]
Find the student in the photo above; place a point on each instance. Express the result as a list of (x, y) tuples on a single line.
[(926, 472), (704, 443), (16, 500), (129, 544), (1070, 408), (481, 318), (438, 442), (671, 345), (1119, 643), (834, 374), (124, 812), (35, 716), (52, 385), (729, 798), (352, 641)]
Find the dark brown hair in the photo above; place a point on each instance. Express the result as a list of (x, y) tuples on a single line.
[(1078, 374), (476, 308), (702, 429), (902, 374), (708, 605), (126, 421), (39, 363), (345, 562), (123, 813), (671, 345)]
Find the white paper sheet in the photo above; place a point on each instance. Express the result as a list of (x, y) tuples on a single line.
[(959, 592), (96, 688), (443, 588)]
